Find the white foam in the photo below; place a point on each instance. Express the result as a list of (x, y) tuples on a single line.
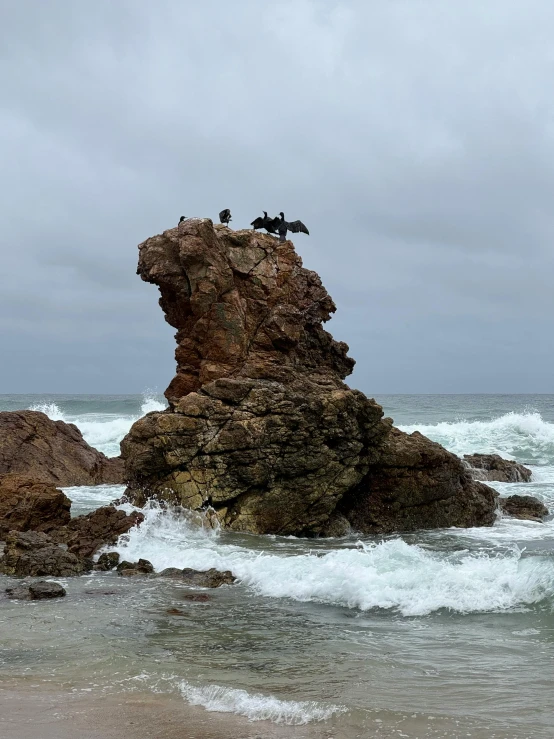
[(525, 436), (391, 575), (103, 431), (257, 707)]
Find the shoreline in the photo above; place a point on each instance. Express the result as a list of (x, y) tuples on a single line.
[(44, 711)]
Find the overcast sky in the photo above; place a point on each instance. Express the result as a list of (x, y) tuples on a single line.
[(415, 138)]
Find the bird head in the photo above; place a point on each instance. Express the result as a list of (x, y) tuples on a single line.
[(282, 215)]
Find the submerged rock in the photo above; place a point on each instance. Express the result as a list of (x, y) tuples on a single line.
[(261, 426), (524, 507), (52, 451), (211, 578), (44, 589), (18, 592), (34, 554), (27, 504), (492, 467)]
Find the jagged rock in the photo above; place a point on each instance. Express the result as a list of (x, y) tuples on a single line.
[(261, 426), (417, 484), (43, 589), (85, 535), (173, 572), (524, 507), (34, 554), (492, 467), (52, 451), (27, 504), (107, 561), (130, 569)]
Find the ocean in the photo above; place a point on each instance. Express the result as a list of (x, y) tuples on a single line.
[(432, 634)]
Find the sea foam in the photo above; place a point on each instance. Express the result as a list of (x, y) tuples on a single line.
[(392, 574), (526, 437), (257, 707)]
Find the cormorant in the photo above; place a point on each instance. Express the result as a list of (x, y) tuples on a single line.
[(259, 222), (181, 219), (294, 226), (225, 216)]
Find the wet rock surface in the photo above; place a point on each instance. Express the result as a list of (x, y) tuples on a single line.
[(85, 535), (107, 561), (261, 426), (211, 578), (54, 452), (524, 507), (492, 467), (34, 554), (130, 569), (43, 589), (27, 504)]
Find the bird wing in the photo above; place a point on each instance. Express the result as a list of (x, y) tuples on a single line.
[(224, 214), (271, 224), (296, 226), (258, 222)]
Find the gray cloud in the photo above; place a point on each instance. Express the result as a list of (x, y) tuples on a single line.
[(415, 138)]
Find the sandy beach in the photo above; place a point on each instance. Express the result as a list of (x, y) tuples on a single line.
[(44, 712)]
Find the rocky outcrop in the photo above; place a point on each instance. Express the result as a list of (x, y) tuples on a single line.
[(27, 504), (524, 507), (85, 535), (34, 554), (492, 467), (54, 452), (130, 569), (261, 426), (417, 484)]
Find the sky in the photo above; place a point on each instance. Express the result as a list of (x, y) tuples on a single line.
[(414, 138)]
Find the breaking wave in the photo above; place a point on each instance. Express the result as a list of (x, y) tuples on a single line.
[(104, 431), (392, 574), (526, 437), (257, 707)]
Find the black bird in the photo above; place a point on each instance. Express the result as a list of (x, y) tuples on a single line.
[(259, 222), (294, 226), (181, 219), (225, 216)]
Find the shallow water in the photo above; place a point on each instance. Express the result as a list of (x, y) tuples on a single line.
[(432, 634)]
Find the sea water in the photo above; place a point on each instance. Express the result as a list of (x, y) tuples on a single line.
[(430, 634)]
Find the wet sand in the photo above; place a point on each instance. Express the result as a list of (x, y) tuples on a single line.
[(42, 712)]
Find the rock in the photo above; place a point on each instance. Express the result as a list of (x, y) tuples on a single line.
[(54, 452), (44, 589), (491, 467), (261, 426), (129, 569), (28, 504), (524, 507), (85, 535), (19, 592), (417, 484), (107, 561), (34, 554), (211, 578)]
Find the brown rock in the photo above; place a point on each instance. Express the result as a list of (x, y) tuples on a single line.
[(44, 590), (491, 467), (211, 578), (524, 507), (85, 535), (261, 426), (34, 554), (52, 451), (28, 504), (107, 561), (417, 484)]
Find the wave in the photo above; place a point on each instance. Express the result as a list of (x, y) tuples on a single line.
[(392, 574), (257, 707), (526, 437), (103, 431)]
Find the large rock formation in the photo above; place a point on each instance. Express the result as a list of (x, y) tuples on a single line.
[(26, 504), (52, 451), (261, 426)]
